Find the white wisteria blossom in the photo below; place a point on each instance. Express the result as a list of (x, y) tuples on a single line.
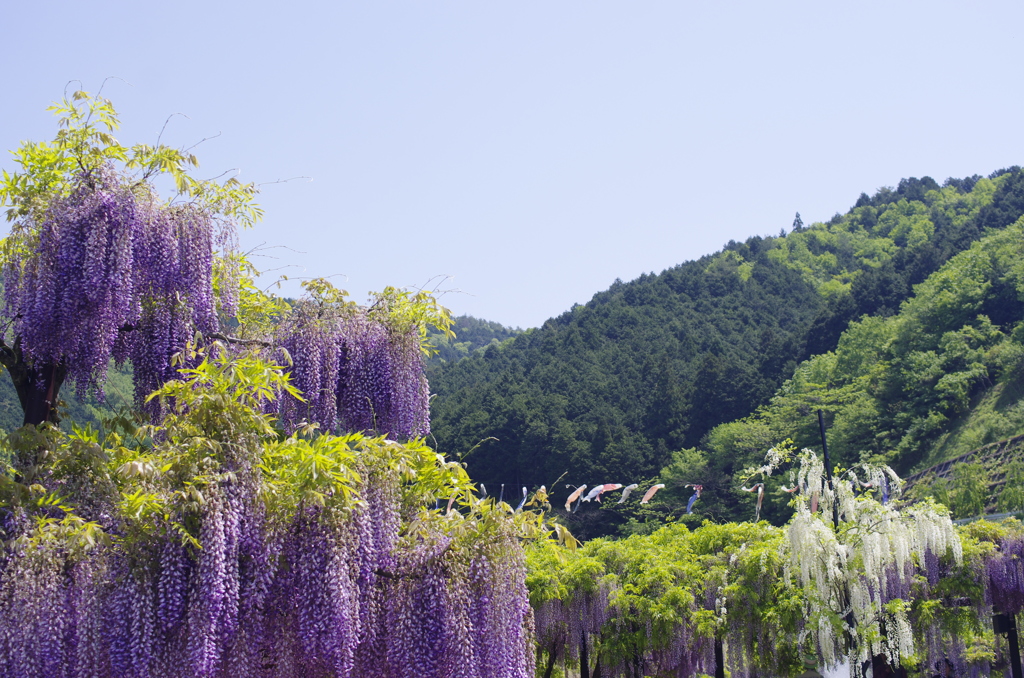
[(857, 574)]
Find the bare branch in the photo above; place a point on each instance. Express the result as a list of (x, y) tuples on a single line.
[(162, 129), (263, 247), (233, 169), (111, 77), (81, 85), (436, 290), (186, 150), (285, 181)]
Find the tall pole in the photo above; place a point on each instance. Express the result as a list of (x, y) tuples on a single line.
[(828, 469), (835, 506), (1006, 624), (584, 659), (1014, 648)]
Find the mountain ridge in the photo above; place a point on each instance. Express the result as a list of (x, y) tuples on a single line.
[(614, 386)]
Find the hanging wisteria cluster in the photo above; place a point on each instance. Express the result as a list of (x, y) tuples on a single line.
[(110, 272), (865, 568), (303, 557), (567, 628), (644, 606), (356, 371), (309, 602), (1005, 570)]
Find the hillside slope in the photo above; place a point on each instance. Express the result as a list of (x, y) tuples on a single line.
[(471, 334), (937, 380), (610, 389)]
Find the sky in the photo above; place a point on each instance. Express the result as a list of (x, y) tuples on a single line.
[(520, 157)]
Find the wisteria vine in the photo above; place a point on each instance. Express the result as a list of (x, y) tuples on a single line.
[(98, 267), (251, 528), (359, 369), (229, 551)]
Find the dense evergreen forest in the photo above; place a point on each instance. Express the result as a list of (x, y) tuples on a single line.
[(643, 376)]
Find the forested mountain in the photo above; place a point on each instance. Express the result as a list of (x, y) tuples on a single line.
[(608, 390), (940, 378), (471, 334)]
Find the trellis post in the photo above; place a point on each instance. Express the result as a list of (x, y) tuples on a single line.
[(1007, 624)]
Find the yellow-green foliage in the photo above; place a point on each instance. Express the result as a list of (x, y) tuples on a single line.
[(937, 380), (717, 581), (869, 236), (775, 596)]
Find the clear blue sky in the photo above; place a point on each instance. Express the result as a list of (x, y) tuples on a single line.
[(535, 151)]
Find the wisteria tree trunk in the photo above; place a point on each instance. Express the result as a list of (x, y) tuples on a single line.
[(552, 656), (38, 387), (584, 659)]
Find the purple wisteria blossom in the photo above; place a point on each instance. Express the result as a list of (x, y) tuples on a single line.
[(331, 594), (111, 272)]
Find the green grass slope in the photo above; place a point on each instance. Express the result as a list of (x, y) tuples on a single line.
[(996, 413)]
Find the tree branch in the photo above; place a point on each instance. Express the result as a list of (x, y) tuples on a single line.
[(241, 342), (8, 356), (395, 576)]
